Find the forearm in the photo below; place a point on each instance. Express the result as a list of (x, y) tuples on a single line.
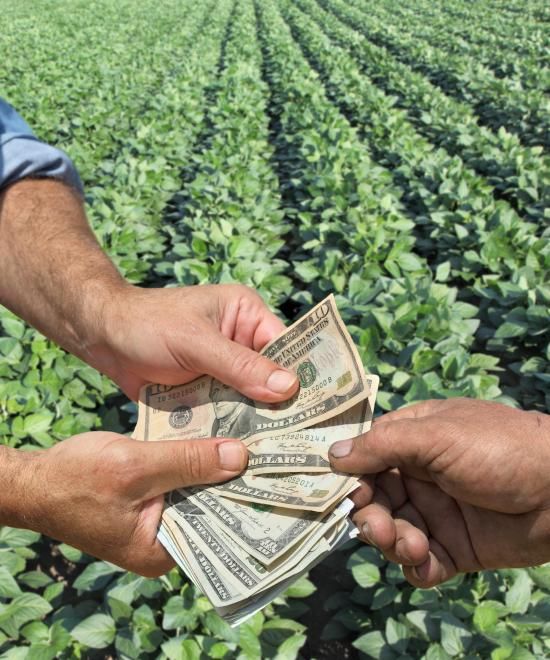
[(18, 493), (53, 272)]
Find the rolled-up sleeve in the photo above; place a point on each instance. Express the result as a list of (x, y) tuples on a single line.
[(22, 155)]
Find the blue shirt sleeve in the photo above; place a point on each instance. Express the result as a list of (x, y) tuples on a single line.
[(23, 155)]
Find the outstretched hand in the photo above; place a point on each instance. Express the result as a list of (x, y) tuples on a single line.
[(103, 493), (174, 335), (453, 486), (73, 294)]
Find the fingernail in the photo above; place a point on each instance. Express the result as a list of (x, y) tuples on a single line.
[(401, 551), (281, 381), (422, 571), (341, 448), (232, 456), (365, 532)]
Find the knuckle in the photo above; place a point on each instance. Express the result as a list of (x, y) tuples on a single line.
[(193, 463), (125, 465), (248, 298), (238, 292), (379, 434), (244, 291), (246, 363)]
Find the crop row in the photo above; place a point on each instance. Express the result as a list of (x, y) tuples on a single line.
[(497, 103), (518, 174), (504, 16), (353, 237), (120, 115), (523, 58), (228, 220), (454, 211)]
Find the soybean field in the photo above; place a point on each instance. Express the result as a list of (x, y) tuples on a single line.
[(395, 154)]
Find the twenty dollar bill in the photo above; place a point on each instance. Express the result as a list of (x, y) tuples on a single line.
[(318, 348)]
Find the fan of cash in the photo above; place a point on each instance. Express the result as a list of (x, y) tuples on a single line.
[(245, 541)]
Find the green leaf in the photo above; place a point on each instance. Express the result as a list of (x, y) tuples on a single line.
[(443, 271), (17, 538), (422, 621), (408, 261), (53, 591), (508, 330), (8, 586), (21, 610), (14, 328), (283, 624), (118, 609), (540, 576), (397, 635), (72, 554), (41, 651), (306, 270), (178, 614), (95, 576), (487, 614), (384, 596), (16, 653), (36, 632), (519, 596), (37, 423), (219, 651), (96, 632), (249, 643), (190, 650), (173, 648), (144, 617), (301, 589), (436, 652), (455, 637), (373, 644), (220, 628), (35, 579), (126, 643), (290, 648), (366, 575)]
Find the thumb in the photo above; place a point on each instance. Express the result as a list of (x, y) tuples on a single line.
[(246, 371), (407, 444), (174, 464)]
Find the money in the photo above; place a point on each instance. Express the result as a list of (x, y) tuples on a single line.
[(231, 577), (239, 572), (247, 525), (245, 541), (306, 492), (307, 450), (318, 348)]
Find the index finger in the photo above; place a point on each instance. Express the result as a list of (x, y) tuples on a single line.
[(414, 411)]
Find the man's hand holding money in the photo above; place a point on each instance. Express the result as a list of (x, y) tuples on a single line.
[(173, 335), (453, 486), (103, 493), (54, 275)]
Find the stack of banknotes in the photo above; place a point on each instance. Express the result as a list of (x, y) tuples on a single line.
[(245, 541)]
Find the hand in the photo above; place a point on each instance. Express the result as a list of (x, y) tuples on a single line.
[(461, 485), (174, 335), (54, 275), (103, 493)]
